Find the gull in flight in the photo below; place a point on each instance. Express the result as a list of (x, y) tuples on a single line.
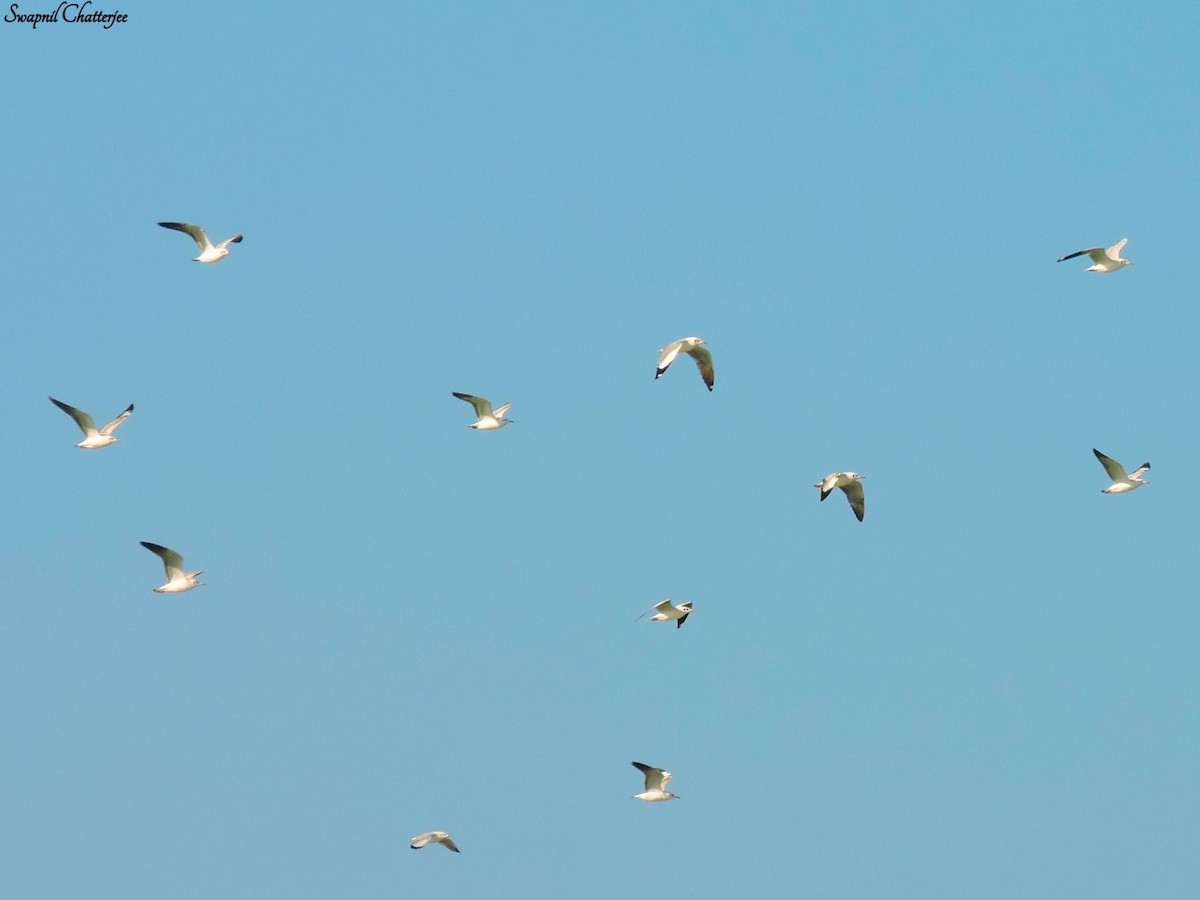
[(208, 253), (93, 438), (177, 579), (851, 487), (489, 419), (665, 611), (656, 784), (1121, 483), (433, 837), (690, 346), (1105, 260)]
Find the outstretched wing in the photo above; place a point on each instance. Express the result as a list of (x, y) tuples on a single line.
[(704, 363), (679, 622), (656, 779), (661, 607), (449, 843), (854, 493), (85, 422), (112, 426), (1115, 470), (236, 239), (1114, 252), (482, 407), (669, 353), (827, 484), (172, 561), (194, 231), (1090, 252), (421, 840)]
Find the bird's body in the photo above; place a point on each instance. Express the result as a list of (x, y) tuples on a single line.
[(666, 611), (208, 252), (692, 347), (178, 580), (1103, 260), (656, 784), (489, 419), (851, 487), (93, 438), (1121, 482), (433, 837)]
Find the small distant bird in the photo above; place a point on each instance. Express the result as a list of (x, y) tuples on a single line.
[(489, 420), (93, 438), (665, 611), (433, 837), (1105, 260), (208, 253), (656, 783), (690, 346), (851, 487), (177, 579), (1121, 483)]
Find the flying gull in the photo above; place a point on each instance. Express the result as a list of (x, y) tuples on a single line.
[(665, 611), (433, 837), (1121, 483), (489, 419), (1105, 260), (177, 579), (851, 487), (93, 438), (208, 253), (656, 784), (690, 346)]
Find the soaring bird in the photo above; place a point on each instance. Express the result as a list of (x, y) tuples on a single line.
[(208, 253), (177, 579), (93, 438), (1105, 260), (1121, 483), (656, 784), (489, 419), (690, 346), (433, 837), (851, 487), (666, 610)]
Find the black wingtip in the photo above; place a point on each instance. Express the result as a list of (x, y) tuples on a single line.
[(1145, 465)]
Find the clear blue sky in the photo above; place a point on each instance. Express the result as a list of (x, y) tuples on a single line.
[(988, 689)]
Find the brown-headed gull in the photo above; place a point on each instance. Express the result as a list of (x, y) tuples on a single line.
[(656, 784), (177, 579), (93, 438), (666, 611), (208, 253), (433, 837), (692, 347), (851, 487), (1104, 260), (1121, 483), (489, 419)]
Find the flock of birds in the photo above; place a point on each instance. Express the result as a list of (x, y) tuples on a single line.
[(1105, 260)]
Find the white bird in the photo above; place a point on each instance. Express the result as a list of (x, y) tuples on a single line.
[(665, 611), (177, 579), (851, 487), (208, 253), (1121, 483), (1105, 260), (656, 784), (489, 419), (93, 438), (434, 837), (690, 346)]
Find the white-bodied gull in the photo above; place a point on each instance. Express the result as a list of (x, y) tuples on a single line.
[(1121, 483), (489, 419), (851, 487), (666, 610), (433, 837), (1103, 260), (93, 438), (177, 579), (656, 784), (208, 253), (692, 347)]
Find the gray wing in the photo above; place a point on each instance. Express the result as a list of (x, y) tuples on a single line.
[(85, 422), (828, 483), (421, 840), (194, 231), (661, 607), (236, 239), (449, 843), (679, 622), (112, 426), (1115, 470), (655, 778), (482, 407), (704, 363), (854, 493), (1092, 252), (172, 561), (669, 353), (1114, 252)]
